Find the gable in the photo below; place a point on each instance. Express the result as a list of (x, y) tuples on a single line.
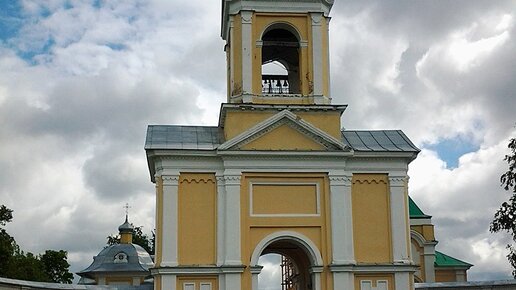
[(283, 137), (284, 131)]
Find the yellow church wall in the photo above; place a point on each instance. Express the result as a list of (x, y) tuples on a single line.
[(283, 138), (445, 275), (371, 218), (120, 281), (427, 231), (159, 220), (197, 219), (195, 282), (374, 279), (294, 199), (236, 50), (236, 122)]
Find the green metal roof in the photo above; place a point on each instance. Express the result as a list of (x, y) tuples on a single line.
[(415, 212), (442, 260)]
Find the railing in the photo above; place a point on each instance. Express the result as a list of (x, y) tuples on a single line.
[(275, 84)]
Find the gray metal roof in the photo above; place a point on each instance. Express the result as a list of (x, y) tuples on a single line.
[(182, 137), (378, 141), (209, 138), (138, 260)]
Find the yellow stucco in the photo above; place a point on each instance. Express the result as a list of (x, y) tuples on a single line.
[(427, 231), (237, 122), (445, 275), (289, 199), (371, 218), (283, 138), (197, 219)]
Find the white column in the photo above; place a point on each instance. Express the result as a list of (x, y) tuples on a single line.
[(255, 271), (429, 256), (341, 219), (317, 51), (343, 281), (232, 221), (168, 282), (247, 57), (402, 281), (233, 281), (169, 222), (221, 219), (316, 277), (399, 223)]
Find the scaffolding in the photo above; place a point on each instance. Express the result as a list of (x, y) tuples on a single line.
[(289, 275)]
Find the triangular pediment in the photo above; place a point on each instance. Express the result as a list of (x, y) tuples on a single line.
[(284, 131)]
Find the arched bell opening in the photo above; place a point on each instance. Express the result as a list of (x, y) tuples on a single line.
[(281, 45)]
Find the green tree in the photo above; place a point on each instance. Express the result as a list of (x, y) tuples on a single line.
[(8, 246), (56, 266), (505, 217), (139, 238)]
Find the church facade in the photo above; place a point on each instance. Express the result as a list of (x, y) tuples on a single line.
[(278, 174)]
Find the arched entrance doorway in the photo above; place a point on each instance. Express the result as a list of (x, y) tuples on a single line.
[(300, 261)]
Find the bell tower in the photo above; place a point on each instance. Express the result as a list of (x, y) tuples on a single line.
[(289, 34), (278, 175)]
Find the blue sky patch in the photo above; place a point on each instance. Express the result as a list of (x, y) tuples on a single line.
[(10, 19), (450, 150)]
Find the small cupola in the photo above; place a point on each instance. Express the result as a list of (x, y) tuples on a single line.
[(126, 232)]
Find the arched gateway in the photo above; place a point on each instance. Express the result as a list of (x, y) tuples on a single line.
[(277, 174)]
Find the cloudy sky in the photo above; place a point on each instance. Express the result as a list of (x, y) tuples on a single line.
[(81, 79)]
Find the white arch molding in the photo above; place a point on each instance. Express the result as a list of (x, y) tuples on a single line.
[(309, 246)]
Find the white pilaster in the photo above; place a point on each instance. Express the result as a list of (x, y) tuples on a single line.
[(316, 277), (232, 221), (247, 57), (255, 271), (399, 223), (233, 281), (429, 256), (169, 222), (341, 219), (221, 219), (317, 51), (168, 282), (343, 281), (402, 281)]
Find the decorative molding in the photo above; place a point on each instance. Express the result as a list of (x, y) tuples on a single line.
[(177, 270), (316, 18), (247, 17), (340, 180), (197, 180), (373, 268), (170, 179), (232, 179), (397, 181)]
